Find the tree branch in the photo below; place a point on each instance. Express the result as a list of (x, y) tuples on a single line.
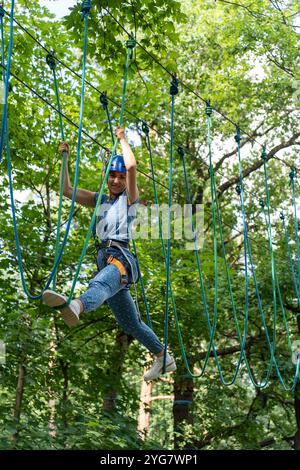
[(225, 186)]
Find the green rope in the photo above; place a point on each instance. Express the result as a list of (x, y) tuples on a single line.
[(145, 129), (129, 55), (50, 59), (173, 93), (295, 284), (104, 102), (296, 222), (9, 170)]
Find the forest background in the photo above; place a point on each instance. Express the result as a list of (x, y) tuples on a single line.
[(83, 388)]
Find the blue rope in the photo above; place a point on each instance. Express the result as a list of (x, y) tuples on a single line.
[(173, 93), (286, 237), (104, 102), (212, 329), (247, 250), (2, 43), (296, 223), (7, 76), (19, 257), (50, 59), (129, 54), (240, 191)]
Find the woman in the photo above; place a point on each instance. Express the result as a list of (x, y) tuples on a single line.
[(116, 264)]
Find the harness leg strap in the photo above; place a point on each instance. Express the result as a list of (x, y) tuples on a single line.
[(120, 266)]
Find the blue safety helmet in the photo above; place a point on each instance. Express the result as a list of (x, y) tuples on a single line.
[(118, 164)]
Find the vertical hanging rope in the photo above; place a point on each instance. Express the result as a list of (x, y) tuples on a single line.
[(130, 45), (275, 283), (296, 290), (145, 129), (104, 102), (173, 93), (4, 126), (19, 257), (212, 329), (2, 45), (240, 191), (292, 176), (269, 230), (52, 64)]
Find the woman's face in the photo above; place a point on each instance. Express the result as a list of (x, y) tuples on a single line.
[(116, 182)]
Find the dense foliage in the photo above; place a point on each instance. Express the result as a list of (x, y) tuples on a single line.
[(83, 388)]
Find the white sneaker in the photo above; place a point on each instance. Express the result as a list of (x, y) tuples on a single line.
[(70, 313), (157, 368)]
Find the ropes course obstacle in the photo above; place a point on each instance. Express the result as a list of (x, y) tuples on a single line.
[(216, 220)]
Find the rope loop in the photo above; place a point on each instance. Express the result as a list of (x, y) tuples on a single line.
[(174, 86), (237, 137), (181, 151), (262, 203), (145, 128), (2, 12), (103, 99), (282, 216), (208, 109), (264, 154), (50, 59), (86, 8)]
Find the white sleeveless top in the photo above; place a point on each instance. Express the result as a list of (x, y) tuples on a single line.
[(115, 217)]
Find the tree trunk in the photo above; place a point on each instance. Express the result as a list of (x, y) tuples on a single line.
[(19, 396), (297, 405), (34, 283), (114, 371), (183, 398), (52, 402), (144, 412)]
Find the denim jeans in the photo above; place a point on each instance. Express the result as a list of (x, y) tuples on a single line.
[(107, 286)]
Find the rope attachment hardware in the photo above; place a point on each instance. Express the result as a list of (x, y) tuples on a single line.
[(264, 154), (180, 151), (145, 128), (104, 100), (86, 8), (237, 137), (262, 203), (238, 189), (174, 86), (50, 59), (130, 44), (292, 175), (208, 109)]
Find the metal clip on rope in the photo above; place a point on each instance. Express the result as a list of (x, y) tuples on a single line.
[(86, 8), (145, 128), (130, 44), (180, 151), (174, 86), (208, 109), (104, 100), (50, 59), (264, 154)]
